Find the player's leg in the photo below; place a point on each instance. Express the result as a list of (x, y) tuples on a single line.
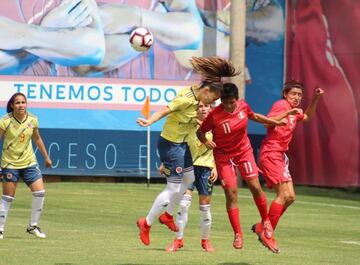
[(205, 188), (181, 220), (285, 196), (10, 178), (184, 168), (33, 178), (276, 173), (172, 157), (249, 172), (227, 175)]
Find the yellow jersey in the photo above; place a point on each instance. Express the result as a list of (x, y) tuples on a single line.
[(17, 152), (182, 117), (201, 155)]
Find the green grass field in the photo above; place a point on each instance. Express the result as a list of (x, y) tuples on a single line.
[(92, 223)]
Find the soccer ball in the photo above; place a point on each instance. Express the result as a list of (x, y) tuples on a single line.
[(141, 39)]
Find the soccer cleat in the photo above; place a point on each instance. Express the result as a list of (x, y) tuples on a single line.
[(1, 234), (36, 231), (238, 241), (144, 230), (206, 245), (168, 220), (257, 228), (267, 227), (175, 245), (270, 243)]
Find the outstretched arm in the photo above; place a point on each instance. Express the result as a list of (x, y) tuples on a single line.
[(309, 112), (257, 117), (154, 118)]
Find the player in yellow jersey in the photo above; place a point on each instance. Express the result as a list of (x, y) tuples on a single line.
[(17, 128), (205, 176), (174, 152)]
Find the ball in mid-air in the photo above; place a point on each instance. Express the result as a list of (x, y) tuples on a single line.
[(141, 39)]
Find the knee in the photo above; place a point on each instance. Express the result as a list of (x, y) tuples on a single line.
[(39, 193), (290, 199), (231, 196), (7, 198)]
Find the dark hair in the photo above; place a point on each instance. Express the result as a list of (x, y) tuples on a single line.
[(213, 68), (293, 83), (213, 86), (230, 91), (11, 101)]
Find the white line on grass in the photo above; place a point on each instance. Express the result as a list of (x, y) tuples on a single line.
[(351, 242)]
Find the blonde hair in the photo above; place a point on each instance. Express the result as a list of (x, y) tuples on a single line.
[(212, 69)]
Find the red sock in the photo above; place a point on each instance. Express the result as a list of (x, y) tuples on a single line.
[(261, 204), (275, 211), (234, 217), (168, 215)]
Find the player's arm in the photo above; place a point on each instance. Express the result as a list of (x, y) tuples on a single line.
[(202, 137), (257, 117), (283, 115), (154, 118), (2, 132), (309, 112), (40, 144), (214, 175)]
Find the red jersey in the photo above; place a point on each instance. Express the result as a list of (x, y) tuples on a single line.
[(229, 129), (279, 137)]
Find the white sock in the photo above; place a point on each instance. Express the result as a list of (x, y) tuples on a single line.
[(162, 201), (182, 215), (188, 178), (37, 204), (4, 209), (205, 221)]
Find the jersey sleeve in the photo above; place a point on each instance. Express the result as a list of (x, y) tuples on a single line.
[(2, 125), (179, 103), (248, 109), (278, 108)]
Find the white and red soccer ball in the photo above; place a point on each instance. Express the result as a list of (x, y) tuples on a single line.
[(141, 39)]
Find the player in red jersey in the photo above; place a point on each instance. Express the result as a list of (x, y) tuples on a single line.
[(273, 161), (232, 149)]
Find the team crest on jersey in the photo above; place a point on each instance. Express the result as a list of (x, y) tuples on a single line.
[(178, 170), (241, 115), (9, 176), (30, 125)]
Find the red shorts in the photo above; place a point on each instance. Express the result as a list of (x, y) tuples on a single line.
[(226, 168), (274, 167)]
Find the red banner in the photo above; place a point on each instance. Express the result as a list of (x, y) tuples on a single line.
[(323, 49)]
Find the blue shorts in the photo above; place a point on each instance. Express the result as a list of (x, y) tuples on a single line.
[(176, 158), (202, 183), (29, 174)]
